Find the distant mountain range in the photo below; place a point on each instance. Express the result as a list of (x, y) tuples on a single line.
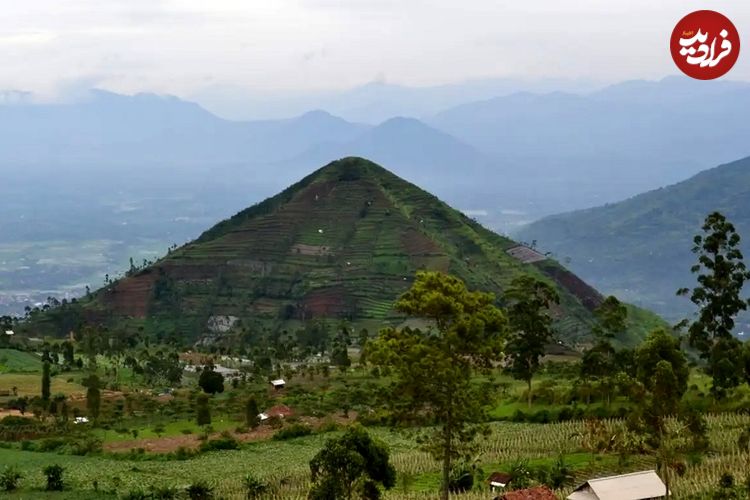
[(343, 243), (584, 150), (640, 248), (374, 102), (88, 184)]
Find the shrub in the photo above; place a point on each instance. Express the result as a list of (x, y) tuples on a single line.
[(292, 431), (200, 490), (565, 414), (51, 444), (84, 446), (54, 475), (518, 416), (461, 478), (540, 417), (163, 492), (328, 425), (137, 494), (222, 443), (16, 421), (183, 453), (254, 487), (28, 445), (9, 478)]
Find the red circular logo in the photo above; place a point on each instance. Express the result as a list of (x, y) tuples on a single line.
[(705, 45)]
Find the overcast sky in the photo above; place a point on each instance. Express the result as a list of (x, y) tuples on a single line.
[(182, 46)]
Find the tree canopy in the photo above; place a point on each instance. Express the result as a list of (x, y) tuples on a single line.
[(433, 367), (355, 465), (528, 301), (721, 275)]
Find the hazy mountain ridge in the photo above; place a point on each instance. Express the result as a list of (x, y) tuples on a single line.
[(640, 248)]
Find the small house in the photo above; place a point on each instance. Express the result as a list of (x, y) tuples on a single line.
[(9, 332), (538, 493), (645, 485), (498, 481), (278, 384)]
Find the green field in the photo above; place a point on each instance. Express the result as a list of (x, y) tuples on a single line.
[(12, 360), (29, 384), (285, 464)]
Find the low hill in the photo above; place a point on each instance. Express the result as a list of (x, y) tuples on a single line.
[(342, 243), (640, 249)]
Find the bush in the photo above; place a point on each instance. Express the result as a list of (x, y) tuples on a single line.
[(540, 417), (28, 446), (461, 478), (328, 425), (16, 421), (137, 494), (54, 475), (200, 491), (84, 446), (254, 487), (163, 492), (9, 478), (183, 453), (222, 443), (51, 444), (292, 431)]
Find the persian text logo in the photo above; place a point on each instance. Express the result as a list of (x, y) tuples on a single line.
[(705, 45)]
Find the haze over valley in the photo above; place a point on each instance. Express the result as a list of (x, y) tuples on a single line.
[(133, 175)]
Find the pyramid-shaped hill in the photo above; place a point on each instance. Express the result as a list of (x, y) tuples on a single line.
[(342, 243)]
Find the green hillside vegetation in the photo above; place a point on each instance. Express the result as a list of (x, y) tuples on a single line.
[(639, 249), (341, 244), (12, 360)]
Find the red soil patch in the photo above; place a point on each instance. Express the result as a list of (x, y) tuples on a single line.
[(191, 441), (325, 302), (589, 297), (416, 243), (130, 296), (538, 493)]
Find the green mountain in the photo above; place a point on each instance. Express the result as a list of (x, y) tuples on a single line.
[(640, 249), (342, 243)]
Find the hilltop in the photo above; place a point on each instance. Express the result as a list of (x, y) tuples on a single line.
[(341, 244), (639, 249)]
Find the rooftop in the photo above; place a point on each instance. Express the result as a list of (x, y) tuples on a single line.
[(634, 486)]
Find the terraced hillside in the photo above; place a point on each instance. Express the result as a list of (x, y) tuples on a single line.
[(344, 243)]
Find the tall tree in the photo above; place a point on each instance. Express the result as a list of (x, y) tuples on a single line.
[(45, 381), (68, 357), (599, 362), (528, 301), (210, 380), (202, 410), (93, 396), (662, 374), (354, 465), (340, 349), (721, 276), (433, 368), (251, 413)]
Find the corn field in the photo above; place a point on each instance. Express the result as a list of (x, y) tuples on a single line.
[(284, 465)]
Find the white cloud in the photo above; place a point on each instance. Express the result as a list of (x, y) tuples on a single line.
[(181, 46)]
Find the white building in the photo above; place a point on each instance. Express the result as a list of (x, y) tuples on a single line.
[(644, 485)]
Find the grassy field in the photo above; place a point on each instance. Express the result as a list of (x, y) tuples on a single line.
[(29, 384), (12, 360), (285, 464)]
